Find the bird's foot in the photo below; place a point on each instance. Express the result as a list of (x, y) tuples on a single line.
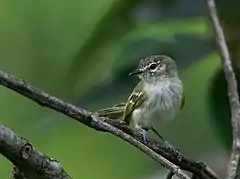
[(167, 144), (145, 136)]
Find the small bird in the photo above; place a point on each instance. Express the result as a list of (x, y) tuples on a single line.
[(157, 97)]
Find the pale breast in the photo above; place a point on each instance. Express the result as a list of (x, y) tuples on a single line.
[(163, 104)]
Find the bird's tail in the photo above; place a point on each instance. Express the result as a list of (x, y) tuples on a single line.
[(115, 112)]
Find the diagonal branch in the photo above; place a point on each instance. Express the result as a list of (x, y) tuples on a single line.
[(232, 89), (17, 174), (27, 159), (165, 155)]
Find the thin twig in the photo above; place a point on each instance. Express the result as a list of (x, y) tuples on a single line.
[(159, 151), (28, 161), (232, 89)]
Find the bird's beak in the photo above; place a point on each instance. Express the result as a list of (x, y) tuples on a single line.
[(136, 72)]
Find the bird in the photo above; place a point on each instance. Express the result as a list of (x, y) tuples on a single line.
[(158, 96)]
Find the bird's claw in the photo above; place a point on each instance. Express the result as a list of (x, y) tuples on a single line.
[(145, 136)]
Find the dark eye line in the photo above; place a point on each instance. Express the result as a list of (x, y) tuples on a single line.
[(153, 65)]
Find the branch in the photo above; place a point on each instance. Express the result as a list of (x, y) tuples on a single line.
[(159, 151), (17, 174), (27, 159), (232, 89)]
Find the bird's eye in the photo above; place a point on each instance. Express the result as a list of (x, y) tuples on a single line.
[(153, 66)]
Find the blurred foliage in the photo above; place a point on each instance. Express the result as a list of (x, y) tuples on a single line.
[(231, 25), (221, 112), (82, 51), (114, 24), (218, 98)]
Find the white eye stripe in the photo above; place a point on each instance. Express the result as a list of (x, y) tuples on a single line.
[(163, 67)]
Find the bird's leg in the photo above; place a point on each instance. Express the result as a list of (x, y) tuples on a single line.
[(143, 132), (159, 135), (156, 132), (144, 135)]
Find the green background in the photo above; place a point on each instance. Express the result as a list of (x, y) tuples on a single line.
[(81, 51)]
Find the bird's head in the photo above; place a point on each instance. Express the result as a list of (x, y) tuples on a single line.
[(156, 67)]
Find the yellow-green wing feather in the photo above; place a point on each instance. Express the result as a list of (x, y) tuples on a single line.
[(115, 112), (134, 101), (122, 104), (125, 110)]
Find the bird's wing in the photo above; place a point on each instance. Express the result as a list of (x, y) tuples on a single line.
[(125, 110), (114, 112), (134, 101)]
